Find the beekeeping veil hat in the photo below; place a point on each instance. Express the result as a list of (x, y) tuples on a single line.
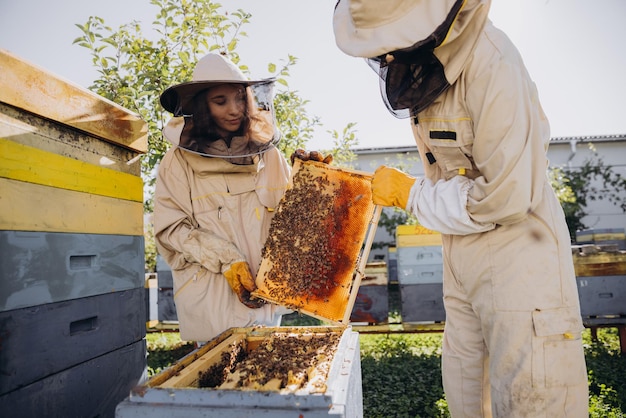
[(212, 70), (402, 40)]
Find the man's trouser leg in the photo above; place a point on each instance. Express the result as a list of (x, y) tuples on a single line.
[(464, 361)]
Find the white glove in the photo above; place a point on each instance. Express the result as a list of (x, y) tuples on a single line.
[(443, 206), (212, 252)]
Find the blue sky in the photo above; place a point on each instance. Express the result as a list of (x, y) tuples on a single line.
[(573, 50)]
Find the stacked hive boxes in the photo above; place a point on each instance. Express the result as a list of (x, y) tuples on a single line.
[(601, 278), (72, 313), (420, 273)]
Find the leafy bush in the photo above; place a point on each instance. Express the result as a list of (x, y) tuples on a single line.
[(402, 375), (164, 349), (607, 374)]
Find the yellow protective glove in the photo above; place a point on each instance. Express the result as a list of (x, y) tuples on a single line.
[(391, 187), (240, 279)]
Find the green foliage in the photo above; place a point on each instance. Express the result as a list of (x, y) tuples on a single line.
[(343, 142), (607, 380), (150, 249), (577, 187), (164, 349), (402, 375), (297, 319)]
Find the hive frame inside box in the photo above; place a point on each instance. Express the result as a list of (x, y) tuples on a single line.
[(358, 271), (167, 393)]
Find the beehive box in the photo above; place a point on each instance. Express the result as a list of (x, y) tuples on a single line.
[(420, 273), (319, 242), (592, 260), (422, 302), (601, 279), (602, 297), (258, 372), (72, 316), (372, 300)]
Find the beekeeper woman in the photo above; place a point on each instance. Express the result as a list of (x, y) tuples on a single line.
[(215, 194), (513, 325)]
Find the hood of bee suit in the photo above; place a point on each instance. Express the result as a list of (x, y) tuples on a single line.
[(210, 71), (423, 44)]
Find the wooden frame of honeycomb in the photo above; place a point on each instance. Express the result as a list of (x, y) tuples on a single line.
[(319, 242)]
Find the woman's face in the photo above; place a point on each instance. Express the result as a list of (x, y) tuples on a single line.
[(227, 104)]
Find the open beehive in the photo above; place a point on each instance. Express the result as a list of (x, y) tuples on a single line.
[(262, 359), (319, 241), (260, 371)]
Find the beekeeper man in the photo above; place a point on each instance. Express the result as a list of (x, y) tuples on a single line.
[(216, 191), (512, 342)]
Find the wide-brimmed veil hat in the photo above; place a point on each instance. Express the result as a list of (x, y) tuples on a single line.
[(405, 32), (213, 70), (370, 28)]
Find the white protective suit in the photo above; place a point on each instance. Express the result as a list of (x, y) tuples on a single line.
[(513, 325), (210, 200)]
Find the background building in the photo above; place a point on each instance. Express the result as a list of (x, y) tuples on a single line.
[(567, 152)]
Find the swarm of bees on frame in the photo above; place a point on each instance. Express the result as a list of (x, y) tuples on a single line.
[(280, 362), (316, 235), (299, 244)]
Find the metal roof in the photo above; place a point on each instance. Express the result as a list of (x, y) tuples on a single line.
[(554, 140), (591, 138)]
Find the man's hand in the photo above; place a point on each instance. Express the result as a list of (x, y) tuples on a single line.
[(241, 281), (310, 155), (391, 187)]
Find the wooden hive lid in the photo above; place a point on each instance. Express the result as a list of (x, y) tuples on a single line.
[(35, 90)]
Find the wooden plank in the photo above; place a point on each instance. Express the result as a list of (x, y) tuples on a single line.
[(358, 277), (34, 89), (32, 207), (32, 165), (27, 129), (188, 377), (173, 370)]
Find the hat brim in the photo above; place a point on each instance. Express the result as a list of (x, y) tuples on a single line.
[(415, 26), (177, 99)]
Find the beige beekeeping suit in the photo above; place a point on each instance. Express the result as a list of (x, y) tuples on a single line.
[(227, 204), (512, 340)]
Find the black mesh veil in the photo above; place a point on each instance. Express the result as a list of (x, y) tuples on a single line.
[(410, 82), (263, 132), (412, 78)]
